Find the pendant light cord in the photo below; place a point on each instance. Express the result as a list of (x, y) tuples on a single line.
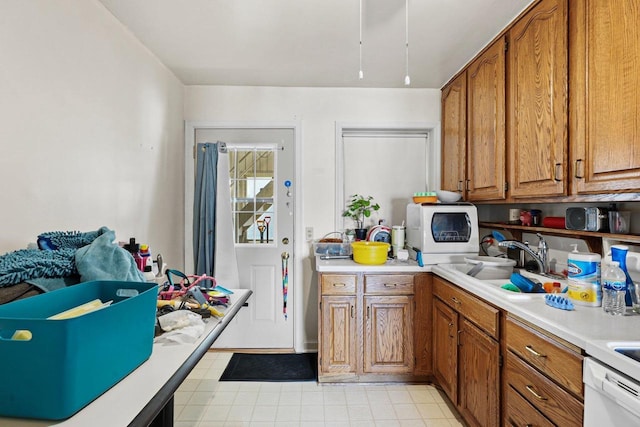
[(360, 73), (407, 79)]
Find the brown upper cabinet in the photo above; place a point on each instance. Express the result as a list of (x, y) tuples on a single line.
[(486, 125), (538, 101), (605, 96), (552, 107), (454, 134)]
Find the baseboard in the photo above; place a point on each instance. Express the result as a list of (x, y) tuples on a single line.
[(252, 350)]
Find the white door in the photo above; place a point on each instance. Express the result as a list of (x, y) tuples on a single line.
[(261, 171)]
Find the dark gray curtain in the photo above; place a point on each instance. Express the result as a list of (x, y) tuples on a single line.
[(204, 208)]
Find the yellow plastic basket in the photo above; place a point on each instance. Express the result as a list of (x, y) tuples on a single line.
[(371, 253)]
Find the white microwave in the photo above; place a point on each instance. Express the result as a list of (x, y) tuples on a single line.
[(444, 233)]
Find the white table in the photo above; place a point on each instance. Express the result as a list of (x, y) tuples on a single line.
[(145, 397)]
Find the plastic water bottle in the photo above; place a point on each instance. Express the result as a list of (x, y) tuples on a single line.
[(614, 289)]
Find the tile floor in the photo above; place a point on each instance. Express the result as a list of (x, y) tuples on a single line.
[(203, 401)]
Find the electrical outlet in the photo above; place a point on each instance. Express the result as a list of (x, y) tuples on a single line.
[(308, 232)]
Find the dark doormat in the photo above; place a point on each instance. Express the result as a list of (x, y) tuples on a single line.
[(271, 367)]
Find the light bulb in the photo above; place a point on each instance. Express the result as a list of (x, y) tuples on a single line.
[(407, 80)]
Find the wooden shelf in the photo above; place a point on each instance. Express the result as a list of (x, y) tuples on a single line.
[(592, 238)]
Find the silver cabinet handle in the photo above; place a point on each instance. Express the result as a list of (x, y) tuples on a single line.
[(339, 285), (390, 285), (456, 301)]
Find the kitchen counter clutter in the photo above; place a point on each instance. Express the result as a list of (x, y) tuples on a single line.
[(588, 328)]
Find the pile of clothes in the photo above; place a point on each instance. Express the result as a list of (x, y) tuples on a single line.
[(65, 258)]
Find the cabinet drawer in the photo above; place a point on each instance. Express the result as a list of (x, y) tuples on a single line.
[(519, 412), (338, 284), (554, 402), (388, 284), (550, 357), (485, 316)]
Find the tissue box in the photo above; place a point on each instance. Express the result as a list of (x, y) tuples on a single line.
[(59, 366)]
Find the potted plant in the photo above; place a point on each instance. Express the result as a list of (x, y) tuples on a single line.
[(358, 208)]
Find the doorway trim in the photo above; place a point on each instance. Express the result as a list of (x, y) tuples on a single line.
[(190, 128), (432, 130)]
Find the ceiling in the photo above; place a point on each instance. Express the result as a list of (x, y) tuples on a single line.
[(314, 43)]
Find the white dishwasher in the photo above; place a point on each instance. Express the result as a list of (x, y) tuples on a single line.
[(610, 397)]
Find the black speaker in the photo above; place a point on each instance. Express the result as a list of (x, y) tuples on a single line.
[(587, 219)]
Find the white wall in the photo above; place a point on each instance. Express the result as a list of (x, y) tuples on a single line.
[(91, 128), (317, 110)]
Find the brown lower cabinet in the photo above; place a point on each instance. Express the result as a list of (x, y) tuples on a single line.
[(466, 353), (374, 327)]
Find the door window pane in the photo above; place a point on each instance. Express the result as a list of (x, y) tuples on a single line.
[(251, 173)]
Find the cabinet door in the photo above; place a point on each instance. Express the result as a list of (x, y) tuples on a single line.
[(454, 134), (388, 343), (338, 334), (538, 102), (445, 348), (479, 376), (486, 125), (604, 50)]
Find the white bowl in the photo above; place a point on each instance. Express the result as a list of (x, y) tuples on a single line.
[(448, 196), (492, 267)]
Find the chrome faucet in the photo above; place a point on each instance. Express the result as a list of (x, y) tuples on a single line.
[(541, 257)]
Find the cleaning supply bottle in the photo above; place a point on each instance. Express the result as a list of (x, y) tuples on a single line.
[(614, 289), (145, 253), (148, 274), (619, 253), (584, 278), (134, 250)]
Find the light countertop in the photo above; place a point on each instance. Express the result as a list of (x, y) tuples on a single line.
[(350, 266)]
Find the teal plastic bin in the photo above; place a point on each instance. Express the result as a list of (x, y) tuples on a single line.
[(68, 363)]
